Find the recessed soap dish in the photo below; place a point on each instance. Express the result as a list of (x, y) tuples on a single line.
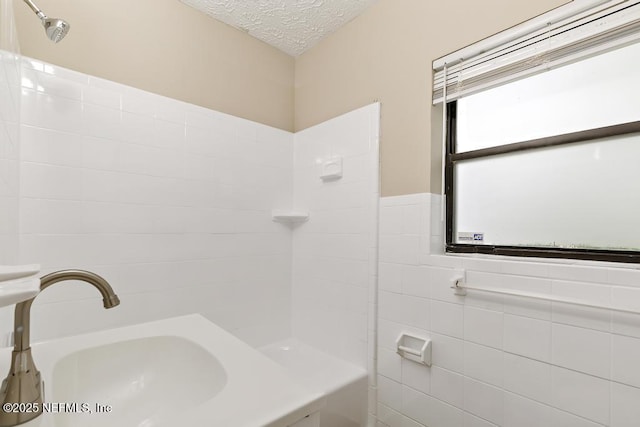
[(414, 348)]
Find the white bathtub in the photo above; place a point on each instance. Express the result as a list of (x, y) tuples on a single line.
[(343, 384), (182, 371)]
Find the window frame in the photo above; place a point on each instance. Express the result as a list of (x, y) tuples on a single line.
[(451, 157)]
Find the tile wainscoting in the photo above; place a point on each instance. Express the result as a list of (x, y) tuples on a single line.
[(501, 361)]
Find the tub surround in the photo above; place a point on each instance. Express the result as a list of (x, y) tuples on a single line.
[(334, 253), (168, 201), (174, 205), (334, 269)]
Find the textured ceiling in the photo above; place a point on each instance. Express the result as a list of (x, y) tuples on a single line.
[(292, 26)]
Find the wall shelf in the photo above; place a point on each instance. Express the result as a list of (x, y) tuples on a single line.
[(289, 217)]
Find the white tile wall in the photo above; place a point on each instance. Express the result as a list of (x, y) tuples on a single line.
[(335, 256), (10, 75), (170, 202), (506, 362), (9, 134)]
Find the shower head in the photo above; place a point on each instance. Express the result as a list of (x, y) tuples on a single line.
[(56, 28)]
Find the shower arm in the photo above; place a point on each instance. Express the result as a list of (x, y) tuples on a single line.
[(35, 9)]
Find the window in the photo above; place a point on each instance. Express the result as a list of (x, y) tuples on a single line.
[(543, 151)]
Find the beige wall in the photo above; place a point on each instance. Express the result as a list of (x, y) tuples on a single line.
[(165, 47), (386, 54)]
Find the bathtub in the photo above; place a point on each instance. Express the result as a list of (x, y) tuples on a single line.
[(182, 371), (343, 384)]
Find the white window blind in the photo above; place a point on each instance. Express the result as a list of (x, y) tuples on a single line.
[(572, 32)]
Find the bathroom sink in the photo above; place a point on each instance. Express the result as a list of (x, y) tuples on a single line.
[(18, 283), (184, 371), (139, 382)]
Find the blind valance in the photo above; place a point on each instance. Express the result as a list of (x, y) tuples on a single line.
[(567, 34)]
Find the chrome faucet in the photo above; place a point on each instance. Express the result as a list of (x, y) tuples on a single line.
[(23, 385)]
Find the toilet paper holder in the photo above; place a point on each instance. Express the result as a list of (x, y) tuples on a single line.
[(414, 348)]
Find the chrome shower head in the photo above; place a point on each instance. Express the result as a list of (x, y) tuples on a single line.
[(56, 28)]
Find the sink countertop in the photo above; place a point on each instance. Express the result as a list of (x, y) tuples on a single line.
[(258, 391)]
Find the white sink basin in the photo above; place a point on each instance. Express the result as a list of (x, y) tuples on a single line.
[(184, 371), (144, 380), (18, 283)]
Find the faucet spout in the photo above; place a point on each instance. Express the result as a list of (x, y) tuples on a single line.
[(23, 384), (22, 318), (109, 297)]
